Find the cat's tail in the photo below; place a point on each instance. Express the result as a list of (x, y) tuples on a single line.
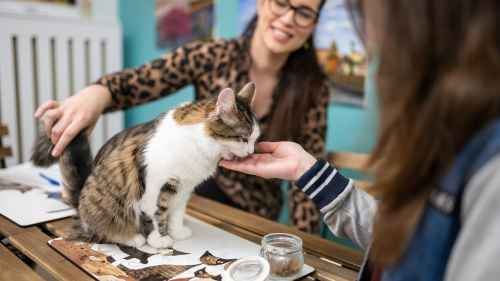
[(75, 162)]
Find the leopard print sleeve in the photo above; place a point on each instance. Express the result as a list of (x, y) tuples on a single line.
[(158, 78), (304, 214)]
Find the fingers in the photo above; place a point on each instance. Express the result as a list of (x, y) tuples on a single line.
[(69, 134), (46, 106), (59, 127), (268, 147), (51, 118), (247, 168)]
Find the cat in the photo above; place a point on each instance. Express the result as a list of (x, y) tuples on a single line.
[(136, 189), (209, 259), (134, 253), (201, 274)]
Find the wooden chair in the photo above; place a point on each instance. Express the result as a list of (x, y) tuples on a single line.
[(354, 161), (4, 151)]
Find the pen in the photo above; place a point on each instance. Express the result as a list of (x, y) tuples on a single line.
[(51, 181)]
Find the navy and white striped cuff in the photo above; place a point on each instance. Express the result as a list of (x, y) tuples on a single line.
[(322, 183)]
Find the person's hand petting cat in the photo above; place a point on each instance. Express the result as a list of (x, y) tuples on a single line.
[(79, 112), (283, 160)]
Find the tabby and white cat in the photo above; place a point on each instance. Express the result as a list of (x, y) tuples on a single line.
[(141, 179)]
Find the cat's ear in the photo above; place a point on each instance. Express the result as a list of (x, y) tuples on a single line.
[(248, 93), (226, 107)]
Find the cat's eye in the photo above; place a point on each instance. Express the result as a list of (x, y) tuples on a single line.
[(244, 140)]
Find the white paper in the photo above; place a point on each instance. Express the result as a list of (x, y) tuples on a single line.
[(29, 175), (31, 207)]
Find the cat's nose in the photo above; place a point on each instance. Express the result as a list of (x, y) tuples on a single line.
[(249, 153)]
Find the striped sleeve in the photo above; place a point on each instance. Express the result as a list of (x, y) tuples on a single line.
[(322, 183)]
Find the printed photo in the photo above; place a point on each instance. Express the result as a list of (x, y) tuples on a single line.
[(182, 21)]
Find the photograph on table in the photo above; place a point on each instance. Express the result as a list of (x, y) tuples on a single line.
[(339, 50), (180, 22), (205, 256)]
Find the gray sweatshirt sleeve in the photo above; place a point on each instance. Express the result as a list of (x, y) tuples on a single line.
[(476, 253), (348, 211)]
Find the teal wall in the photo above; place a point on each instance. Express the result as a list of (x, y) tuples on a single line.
[(139, 47), (349, 128)]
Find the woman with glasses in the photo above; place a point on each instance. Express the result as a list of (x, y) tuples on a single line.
[(276, 52)]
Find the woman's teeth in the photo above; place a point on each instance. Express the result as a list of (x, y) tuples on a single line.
[(281, 33)]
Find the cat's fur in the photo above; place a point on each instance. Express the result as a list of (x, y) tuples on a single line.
[(141, 179)]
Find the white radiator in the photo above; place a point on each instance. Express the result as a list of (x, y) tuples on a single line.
[(43, 58)]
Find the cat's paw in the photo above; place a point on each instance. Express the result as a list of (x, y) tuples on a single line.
[(137, 241), (181, 234), (160, 242)]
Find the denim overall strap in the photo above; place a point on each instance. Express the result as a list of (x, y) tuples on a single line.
[(426, 256)]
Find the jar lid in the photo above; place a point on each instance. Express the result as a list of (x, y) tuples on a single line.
[(248, 269)]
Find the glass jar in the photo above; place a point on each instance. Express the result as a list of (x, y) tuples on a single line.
[(285, 255)]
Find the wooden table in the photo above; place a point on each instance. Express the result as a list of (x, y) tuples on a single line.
[(32, 241)]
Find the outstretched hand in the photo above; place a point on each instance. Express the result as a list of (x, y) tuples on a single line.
[(67, 119), (283, 160)]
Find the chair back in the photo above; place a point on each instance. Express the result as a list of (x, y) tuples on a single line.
[(4, 151), (354, 161)]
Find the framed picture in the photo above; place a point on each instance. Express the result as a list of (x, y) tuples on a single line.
[(182, 21), (341, 54), (52, 1), (339, 50)]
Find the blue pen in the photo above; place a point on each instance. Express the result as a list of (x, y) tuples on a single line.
[(51, 181)]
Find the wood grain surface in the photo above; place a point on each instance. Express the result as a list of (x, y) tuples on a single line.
[(12, 268), (9, 228), (34, 245)]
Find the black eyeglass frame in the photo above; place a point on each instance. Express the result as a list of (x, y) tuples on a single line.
[(295, 9)]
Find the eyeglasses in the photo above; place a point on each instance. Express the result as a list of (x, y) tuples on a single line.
[(302, 16)]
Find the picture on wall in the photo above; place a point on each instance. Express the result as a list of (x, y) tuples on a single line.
[(52, 1), (182, 21), (341, 54), (339, 50)]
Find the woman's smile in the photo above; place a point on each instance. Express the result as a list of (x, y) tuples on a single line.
[(280, 35)]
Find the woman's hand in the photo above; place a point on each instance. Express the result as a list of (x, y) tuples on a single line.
[(283, 160), (68, 118)]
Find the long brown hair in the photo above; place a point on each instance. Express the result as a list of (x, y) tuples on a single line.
[(438, 84), (298, 89)]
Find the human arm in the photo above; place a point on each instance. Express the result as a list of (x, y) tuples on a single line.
[(348, 211), (79, 112), (121, 90)]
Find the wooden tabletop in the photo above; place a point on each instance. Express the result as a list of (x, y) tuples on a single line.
[(32, 241)]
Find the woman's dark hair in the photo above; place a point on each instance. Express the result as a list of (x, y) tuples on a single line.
[(298, 89), (438, 85)]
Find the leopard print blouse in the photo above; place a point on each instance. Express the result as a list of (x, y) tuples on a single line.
[(211, 67)]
